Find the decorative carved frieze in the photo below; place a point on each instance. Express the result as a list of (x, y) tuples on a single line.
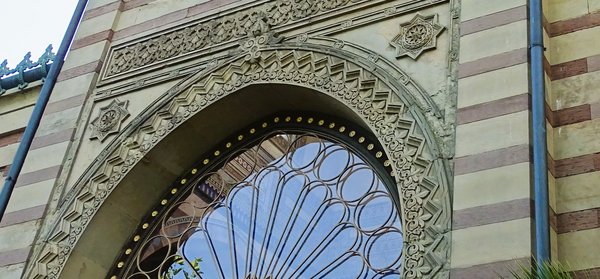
[(109, 119), (416, 36), (208, 36), (248, 23)]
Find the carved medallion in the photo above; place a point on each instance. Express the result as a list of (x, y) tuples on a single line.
[(417, 35), (109, 120)]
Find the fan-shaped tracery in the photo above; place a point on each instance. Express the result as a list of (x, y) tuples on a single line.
[(294, 205)]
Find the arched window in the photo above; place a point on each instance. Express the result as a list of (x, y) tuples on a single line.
[(289, 197)]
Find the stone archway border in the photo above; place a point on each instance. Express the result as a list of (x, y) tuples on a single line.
[(422, 182)]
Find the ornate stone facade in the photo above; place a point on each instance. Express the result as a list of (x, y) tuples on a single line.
[(454, 121), (209, 59), (421, 181)]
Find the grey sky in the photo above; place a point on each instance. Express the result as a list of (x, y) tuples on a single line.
[(30, 25)]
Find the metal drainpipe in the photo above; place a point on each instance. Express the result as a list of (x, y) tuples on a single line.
[(40, 105), (540, 170)]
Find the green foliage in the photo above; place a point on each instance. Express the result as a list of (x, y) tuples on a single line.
[(547, 270), (179, 266)]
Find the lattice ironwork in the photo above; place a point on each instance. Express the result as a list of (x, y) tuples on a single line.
[(294, 205)]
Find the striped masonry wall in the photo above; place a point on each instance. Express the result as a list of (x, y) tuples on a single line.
[(479, 219), (45, 160), (492, 206), (573, 81), (19, 225)]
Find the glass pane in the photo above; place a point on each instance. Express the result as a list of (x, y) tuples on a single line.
[(293, 206)]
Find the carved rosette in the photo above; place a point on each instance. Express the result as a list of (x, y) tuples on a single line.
[(109, 120), (416, 36)]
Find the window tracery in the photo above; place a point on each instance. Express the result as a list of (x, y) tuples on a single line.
[(292, 203)]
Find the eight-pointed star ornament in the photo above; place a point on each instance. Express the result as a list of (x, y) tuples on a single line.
[(109, 119), (417, 35)]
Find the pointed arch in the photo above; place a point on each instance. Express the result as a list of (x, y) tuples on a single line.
[(399, 116)]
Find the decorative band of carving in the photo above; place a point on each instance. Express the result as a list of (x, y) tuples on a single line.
[(248, 23)]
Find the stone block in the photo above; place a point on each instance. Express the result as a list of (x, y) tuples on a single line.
[(18, 236), (576, 90), (580, 249), (577, 139), (565, 9), (491, 134), (474, 8), (578, 192), (12, 271), (85, 55), (491, 186), (493, 41), (45, 157), (28, 196), (15, 120), (494, 85), (576, 45), (152, 11), (491, 243), (96, 24)]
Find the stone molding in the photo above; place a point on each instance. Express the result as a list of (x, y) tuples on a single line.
[(433, 116), (387, 103), (247, 23), (212, 34)]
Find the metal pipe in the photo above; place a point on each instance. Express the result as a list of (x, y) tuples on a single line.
[(38, 110), (538, 120)]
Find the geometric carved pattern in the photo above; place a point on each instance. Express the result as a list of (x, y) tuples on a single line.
[(421, 182), (109, 119), (248, 23), (417, 35)]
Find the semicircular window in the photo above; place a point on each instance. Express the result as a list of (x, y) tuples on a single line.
[(294, 205)]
